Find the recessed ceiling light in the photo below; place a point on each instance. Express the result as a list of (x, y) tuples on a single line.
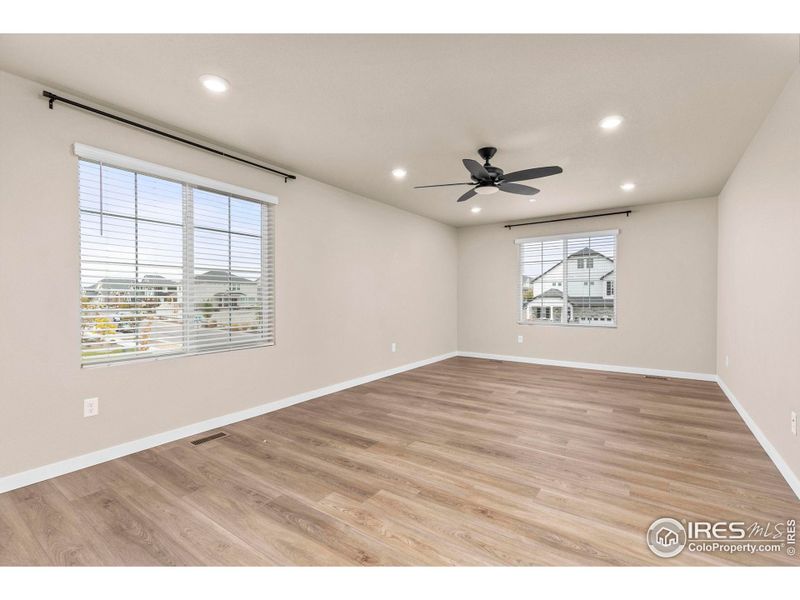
[(476, 209), (611, 122), (215, 84), (531, 199), (628, 186), (399, 173)]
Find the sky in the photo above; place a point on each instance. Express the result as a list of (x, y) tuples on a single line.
[(108, 241)]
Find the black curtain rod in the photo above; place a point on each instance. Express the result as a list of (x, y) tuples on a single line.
[(608, 214), (55, 97)]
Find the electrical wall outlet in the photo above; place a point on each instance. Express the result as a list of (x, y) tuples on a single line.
[(727, 360), (519, 339), (794, 423), (394, 346), (91, 407)]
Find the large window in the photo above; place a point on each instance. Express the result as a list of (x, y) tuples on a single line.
[(569, 280), (169, 267)]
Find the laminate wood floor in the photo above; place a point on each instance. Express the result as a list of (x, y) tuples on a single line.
[(463, 462)]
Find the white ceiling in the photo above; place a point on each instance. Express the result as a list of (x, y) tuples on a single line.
[(347, 109)]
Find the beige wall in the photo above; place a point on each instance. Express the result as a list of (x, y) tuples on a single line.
[(353, 275), (666, 287), (759, 276)]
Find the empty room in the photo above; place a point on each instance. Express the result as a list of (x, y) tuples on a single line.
[(399, 300)]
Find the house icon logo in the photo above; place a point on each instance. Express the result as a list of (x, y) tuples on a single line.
[(666, 537)]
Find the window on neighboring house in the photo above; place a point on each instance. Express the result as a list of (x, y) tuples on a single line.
[(579, 301), (170, 267)]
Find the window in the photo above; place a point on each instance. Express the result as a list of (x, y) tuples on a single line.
[(169, 267), (579, 263)]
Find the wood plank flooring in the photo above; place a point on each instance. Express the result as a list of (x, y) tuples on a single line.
[(463, 462)]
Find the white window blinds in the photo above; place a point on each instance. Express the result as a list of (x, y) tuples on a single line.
[(569, 279), (170, 268)]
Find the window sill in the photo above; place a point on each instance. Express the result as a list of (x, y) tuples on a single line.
[(147, 359), (553, 324)]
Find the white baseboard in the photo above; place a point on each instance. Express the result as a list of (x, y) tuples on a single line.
[(18, 480), (791, 478), (593, 366)]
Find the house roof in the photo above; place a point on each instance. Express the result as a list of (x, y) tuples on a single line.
[(219, 276), (590, 300), (589, 252), (114, 283), (127, 283), (551, 293), (158, 280), (582, 252), (607, 274), (574, 300)]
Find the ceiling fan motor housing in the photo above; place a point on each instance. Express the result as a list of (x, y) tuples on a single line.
[(487, 153)]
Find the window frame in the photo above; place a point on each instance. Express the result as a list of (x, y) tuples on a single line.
[(190, 182), (597, 323)]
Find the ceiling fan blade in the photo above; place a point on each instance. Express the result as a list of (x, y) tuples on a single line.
[(532, 173), (516, 188), (467, 196), (476, 169), (419, 187)]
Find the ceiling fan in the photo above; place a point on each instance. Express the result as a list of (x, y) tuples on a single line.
[(488, 179)]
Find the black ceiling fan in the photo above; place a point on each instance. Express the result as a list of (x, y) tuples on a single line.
[(488, 179)]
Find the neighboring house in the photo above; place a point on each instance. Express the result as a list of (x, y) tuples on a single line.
[(112, 290), (227, 300), (124, 290), (156, 286), (223, 289), (589, 282), (223, 299)]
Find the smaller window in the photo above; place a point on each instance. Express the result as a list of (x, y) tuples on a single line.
[(570, 255), (609, 288)]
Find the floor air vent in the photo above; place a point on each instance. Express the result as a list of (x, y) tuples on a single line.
[(208, 438)]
